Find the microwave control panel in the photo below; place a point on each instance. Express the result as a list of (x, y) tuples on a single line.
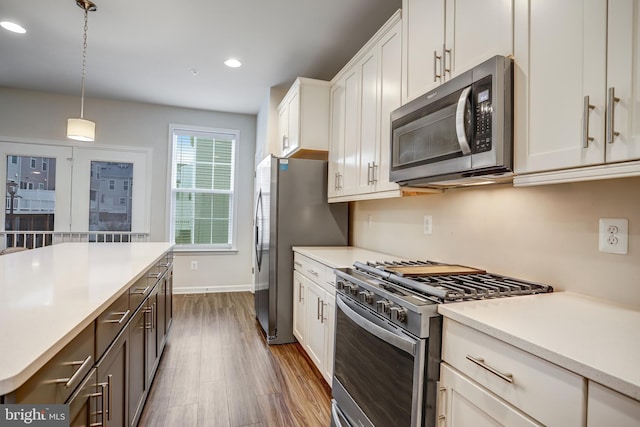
[(483, 115)]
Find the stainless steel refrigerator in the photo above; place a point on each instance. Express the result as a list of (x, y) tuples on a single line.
[(291, 210)]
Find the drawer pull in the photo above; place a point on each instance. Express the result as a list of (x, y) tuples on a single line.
[(155, 276), (315, 273), (298, 264), (480, 362), (164, 265), (68, 382), (124, 315), (141, 292)]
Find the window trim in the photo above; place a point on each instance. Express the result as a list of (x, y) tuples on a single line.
[(170, 232)]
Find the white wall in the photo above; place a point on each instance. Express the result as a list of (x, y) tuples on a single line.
[(547, 234), (42, 116)]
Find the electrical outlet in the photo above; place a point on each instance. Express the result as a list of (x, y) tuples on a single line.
[(194, 265), (614, 235), (428, 224)]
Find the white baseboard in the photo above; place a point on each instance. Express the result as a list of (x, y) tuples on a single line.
[(211, 289)]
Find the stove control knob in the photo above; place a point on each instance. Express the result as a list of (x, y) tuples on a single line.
[(399, 313), (353, 289), (340, 285), (366, 296), (382, 306)]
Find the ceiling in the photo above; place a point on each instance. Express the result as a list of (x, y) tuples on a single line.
[(171, 52)]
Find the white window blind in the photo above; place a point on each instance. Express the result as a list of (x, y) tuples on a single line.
[(203, 188)]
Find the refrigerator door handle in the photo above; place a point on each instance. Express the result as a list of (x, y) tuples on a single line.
[(258, 219)]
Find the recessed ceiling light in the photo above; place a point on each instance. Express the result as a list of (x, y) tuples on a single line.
[(233, 63), (13, 27)]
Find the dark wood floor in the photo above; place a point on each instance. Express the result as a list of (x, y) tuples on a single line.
[(217, 370)]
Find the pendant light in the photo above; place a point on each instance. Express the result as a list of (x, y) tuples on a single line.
[(79, 128)]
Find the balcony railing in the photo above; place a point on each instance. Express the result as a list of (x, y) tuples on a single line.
[(36, 239)]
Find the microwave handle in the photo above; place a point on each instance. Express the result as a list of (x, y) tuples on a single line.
[(460, 131)]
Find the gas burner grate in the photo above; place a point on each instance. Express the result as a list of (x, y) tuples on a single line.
[(453, 287)]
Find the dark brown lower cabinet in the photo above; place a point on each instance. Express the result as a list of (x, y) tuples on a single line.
[(113, 378), (85, 405), (137, 360)]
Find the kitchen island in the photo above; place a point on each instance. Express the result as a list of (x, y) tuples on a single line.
[(51, 297)]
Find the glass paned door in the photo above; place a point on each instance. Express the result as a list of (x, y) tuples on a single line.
[(110, 196)]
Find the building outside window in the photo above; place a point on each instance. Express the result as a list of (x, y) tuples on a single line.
[(203, 188)]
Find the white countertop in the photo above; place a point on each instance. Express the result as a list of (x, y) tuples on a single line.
[(48, 295), (342, 256), (596, 339)]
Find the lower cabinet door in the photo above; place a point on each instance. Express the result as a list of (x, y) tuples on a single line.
[(153, 351), (298, 306), (314, 329), (464, 403), (113, 378), (329, 321), (137, 360), (85, 405)]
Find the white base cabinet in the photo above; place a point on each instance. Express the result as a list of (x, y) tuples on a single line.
[(464, 403), (609, 408), (518, 387), (313, 311)]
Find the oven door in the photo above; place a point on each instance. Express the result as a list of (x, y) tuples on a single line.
[(378, 369)]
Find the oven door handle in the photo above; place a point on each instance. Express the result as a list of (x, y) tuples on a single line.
[(460, 128), (377, 328)]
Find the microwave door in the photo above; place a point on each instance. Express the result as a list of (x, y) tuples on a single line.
[(464, 121)]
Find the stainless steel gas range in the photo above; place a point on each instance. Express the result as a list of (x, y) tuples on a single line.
[(388, 336)]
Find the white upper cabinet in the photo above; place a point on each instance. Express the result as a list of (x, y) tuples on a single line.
[(576, 78), (363, 95), (303, 119), (443, 38)]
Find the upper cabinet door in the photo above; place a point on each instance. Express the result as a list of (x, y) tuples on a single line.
[(423, 33), (623, 81), (368, 70), (474, 32), (336, 140), (390, 65), (444, 38)]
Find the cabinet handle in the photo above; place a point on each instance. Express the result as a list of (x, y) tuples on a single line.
[(68, 382), (442, 404), (322, 318), (436, 57), (109, 397), (147, 325), (123, 315), (103, 394), (611, 101), (315, 273), (444, 60), (96, 413), (164, 265), (153, 316), (335, 182), (285, 142), (297, 263), (318, 309), (480, 362), (141, 292), (368, 173), (374, 170), (300, 298), (585, 122)]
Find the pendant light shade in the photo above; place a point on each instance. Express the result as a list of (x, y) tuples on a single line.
[(81, 129)]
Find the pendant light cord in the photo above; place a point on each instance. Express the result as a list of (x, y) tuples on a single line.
[(84, 59)]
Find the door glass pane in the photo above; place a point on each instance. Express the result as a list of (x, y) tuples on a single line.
[(30, 198), (110, 196)]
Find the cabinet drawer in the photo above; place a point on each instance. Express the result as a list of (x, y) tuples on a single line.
[(56, 380), (315, 271), (542, 390), (110, 322)]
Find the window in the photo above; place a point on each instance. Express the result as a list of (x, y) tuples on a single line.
[(125, 185), (44, 165), (33, 163), (202, 186), (112, 212)]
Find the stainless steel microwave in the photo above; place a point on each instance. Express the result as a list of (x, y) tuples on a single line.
[(459, 133)]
